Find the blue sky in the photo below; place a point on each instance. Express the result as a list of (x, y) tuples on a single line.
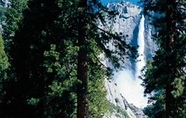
[(107, 1)]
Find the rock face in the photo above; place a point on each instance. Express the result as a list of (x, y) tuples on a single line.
[(5, 3), (121, 108), (127, 20), (128, 24)]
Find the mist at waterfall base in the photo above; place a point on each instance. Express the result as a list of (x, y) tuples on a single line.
[(110, 1), (128, 83)]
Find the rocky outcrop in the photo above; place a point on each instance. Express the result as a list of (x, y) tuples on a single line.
[(127, 24), (119, 105), (5, 3)]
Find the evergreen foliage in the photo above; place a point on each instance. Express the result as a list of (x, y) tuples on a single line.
[(39, 85), (44, 45), (164, 77), (11, 16), (4, 64), (119, 110), (3, 57)]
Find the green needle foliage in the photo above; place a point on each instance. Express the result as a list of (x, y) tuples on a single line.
[(164, 77), (44, 45), (4, 64)]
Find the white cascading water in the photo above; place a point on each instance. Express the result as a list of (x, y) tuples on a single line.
[(141, 61), (6, 3), (129, 84), (141, 43)]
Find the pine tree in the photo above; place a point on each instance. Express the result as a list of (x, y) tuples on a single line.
[(82, 99), (4, 64), (54, 51), (10, 19), (90, 11), (31, 80), (166, 72)]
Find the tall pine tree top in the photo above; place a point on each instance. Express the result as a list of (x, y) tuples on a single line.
[(165, 76)]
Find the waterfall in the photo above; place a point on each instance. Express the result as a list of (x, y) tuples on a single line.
[(6, 3), (141, 60), (129, 83), (141, 43)]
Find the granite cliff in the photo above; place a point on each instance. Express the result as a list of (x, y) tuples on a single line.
[(125, 91), (119, 91)]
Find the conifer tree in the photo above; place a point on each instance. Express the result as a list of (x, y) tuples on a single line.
[(4, 64), (54, 50), (166, 74), (89, 12), (82, 98), (10, 19)]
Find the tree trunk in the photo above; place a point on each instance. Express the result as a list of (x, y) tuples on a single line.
[(169, 100), (82, 101)]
